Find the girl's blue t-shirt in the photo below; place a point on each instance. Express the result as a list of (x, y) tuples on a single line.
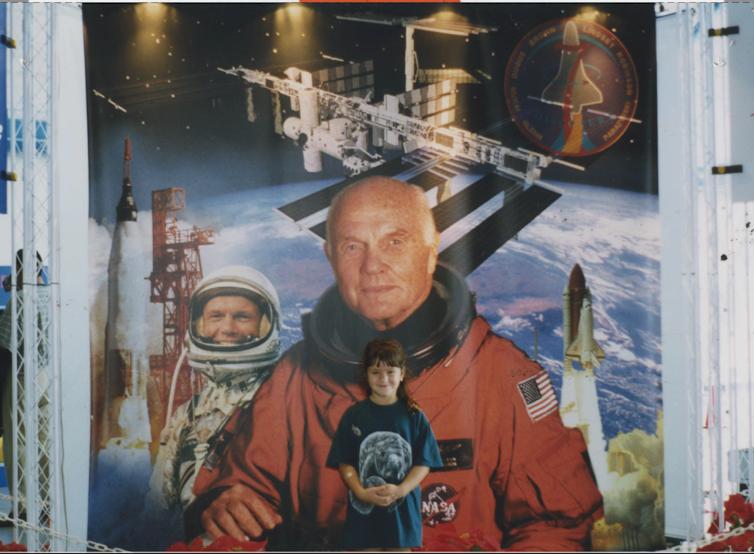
[(383, 443)]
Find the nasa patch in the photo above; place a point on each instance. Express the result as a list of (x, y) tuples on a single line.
[(440, 504)]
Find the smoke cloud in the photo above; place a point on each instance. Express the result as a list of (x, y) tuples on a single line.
[(634, 501)]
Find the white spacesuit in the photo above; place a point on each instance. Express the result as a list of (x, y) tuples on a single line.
[(232, 340)]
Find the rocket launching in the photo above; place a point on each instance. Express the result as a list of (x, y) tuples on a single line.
[(585, 349), (579, 406), (126, 362), (126, 209)]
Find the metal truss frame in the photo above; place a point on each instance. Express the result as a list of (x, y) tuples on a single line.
[(36, 465)]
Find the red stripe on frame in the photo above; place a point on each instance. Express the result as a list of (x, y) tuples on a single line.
[(379, 2)]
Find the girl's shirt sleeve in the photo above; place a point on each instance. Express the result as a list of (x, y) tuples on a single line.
[(343, 449), (425, 450)]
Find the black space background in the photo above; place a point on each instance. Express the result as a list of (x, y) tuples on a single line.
[(208, 147)]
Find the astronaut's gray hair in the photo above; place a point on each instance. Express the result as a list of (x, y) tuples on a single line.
[(423, 213)]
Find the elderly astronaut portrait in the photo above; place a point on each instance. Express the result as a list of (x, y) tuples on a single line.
[(509, 470), (233, 341)]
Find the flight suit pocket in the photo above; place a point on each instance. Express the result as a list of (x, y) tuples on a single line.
[(563, 483)]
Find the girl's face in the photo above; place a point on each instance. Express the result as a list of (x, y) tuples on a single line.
[(384, 381)]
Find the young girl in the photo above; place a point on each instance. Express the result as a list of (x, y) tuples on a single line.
[(384, 448)]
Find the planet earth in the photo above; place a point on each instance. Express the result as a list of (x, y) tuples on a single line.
[(613, 235)]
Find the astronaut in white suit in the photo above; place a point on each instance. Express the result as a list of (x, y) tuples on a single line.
[(233, 341)]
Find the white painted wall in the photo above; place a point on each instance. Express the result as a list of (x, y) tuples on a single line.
[(673, 376), (71, 171), (730, 107)]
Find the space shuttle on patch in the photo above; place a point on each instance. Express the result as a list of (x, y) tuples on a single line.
[(572, 87)]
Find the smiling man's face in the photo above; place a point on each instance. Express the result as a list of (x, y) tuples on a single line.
[(383, 251), (231, 319)]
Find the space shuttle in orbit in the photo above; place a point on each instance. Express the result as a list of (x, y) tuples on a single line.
[(579, 404)]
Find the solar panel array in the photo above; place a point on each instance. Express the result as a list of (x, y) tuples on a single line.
[(425, 94), (432, 106), (434, 103), (449, 27), (442, 118), (432, 170), (355, 79), (460, 76), (321, 199), (520, 208), (427, 24)]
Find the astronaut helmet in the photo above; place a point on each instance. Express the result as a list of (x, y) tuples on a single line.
[(234, 321)]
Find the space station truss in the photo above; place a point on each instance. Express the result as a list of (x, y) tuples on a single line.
[(519, 164), (36, 465), (462, 29)]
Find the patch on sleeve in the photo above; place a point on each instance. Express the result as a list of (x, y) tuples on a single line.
[(538, 395)]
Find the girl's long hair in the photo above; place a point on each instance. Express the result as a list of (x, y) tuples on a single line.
[(388, 352)]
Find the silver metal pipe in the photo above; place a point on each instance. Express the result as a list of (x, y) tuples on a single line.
[(29, 285), (14, 276)]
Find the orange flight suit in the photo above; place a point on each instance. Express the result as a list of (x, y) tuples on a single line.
[(524, 480)]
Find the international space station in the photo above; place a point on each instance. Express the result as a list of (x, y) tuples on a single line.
[(338, 117), (336, 114)]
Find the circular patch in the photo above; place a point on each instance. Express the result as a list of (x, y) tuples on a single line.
[(571, 87), (440, 504)]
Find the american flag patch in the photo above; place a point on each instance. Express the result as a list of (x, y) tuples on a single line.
[(539, 396)]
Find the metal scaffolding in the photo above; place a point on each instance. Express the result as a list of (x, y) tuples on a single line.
[(177, 269), (35, 468)]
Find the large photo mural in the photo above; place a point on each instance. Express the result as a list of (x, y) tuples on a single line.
[(273, 186)]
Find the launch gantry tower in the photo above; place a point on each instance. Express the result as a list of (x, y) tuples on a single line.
[(176, 270)]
